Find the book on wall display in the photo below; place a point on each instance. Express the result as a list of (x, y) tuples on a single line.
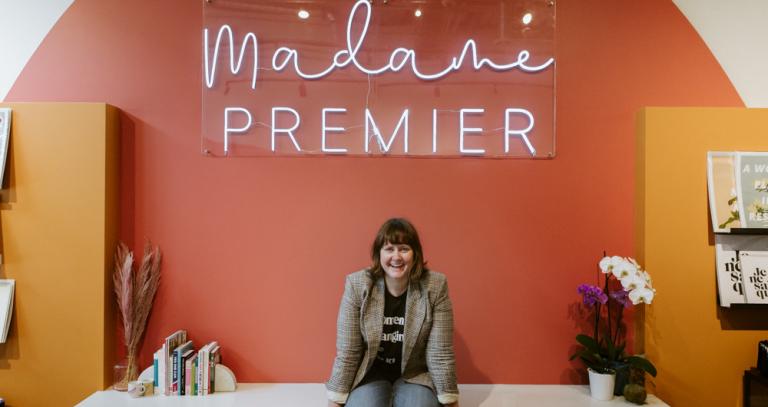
[(722, 191), (754, 268), (729, 285), (6, 307), (730, 271), (5, 135), (752, 188)]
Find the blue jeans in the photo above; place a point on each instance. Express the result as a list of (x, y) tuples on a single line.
[(381, 393)]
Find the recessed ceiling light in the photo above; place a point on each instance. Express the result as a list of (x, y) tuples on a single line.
[(417, 13), (303, 14)]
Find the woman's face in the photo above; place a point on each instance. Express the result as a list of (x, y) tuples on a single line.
[(396, 260)]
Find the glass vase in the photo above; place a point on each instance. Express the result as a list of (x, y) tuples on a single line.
[(125, 371)]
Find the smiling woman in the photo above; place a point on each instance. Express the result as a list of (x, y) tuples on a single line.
[(394, 342)]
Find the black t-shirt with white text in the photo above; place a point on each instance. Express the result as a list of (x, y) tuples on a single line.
[(388, 359)]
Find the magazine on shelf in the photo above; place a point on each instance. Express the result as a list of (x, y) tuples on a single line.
[(6, 307), (754, 267), (729, 282), (5, 134), (752, 188), (722, 191), (731, 274)]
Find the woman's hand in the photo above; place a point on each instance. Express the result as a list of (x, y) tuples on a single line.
[(332, 404)]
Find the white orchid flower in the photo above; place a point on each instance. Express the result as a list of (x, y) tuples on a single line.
[(642, 295), (623, 269), (647, 277), (633, 281), (605, 264)]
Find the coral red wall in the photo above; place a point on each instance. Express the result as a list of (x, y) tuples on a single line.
[(256, 249)]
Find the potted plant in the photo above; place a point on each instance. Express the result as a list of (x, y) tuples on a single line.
[(603, 352)]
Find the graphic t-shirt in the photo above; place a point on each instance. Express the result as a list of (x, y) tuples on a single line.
[(388, 359)]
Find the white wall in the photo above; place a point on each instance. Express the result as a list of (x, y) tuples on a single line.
[(736, 31), (23, 26)]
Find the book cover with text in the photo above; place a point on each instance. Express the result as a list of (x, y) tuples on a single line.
[(722, 191), (752, 189), (729, 285), (754, 267)]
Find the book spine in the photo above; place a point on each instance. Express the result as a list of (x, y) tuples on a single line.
[(213, 373), (199, 377), (181, 374), (161, 373), (155, 364), (193, 382), (175, 373), (188, 376), (168, 370), (213, 362), (206, 372)]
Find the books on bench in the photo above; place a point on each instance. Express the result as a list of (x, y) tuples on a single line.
[(180, 370)]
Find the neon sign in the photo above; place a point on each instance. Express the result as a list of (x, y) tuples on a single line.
[(399, 58), (288, 133)]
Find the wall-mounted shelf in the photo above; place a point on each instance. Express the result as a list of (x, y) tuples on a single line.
[(745, 231)]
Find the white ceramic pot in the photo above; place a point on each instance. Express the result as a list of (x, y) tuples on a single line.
[(601, 385)]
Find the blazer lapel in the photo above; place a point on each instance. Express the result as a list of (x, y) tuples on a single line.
[(415, 311), (373, 319)]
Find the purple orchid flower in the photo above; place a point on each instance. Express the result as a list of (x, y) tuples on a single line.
[(622, 297), (592, 294)]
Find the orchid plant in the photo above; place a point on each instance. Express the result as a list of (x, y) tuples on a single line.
[(626, 285)]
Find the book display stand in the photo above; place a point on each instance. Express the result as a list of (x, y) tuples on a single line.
[(737, 184)]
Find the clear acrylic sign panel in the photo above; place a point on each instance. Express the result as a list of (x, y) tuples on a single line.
[(443, 78)]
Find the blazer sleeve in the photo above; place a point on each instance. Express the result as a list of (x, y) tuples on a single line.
[(441, 361), (349, 345)]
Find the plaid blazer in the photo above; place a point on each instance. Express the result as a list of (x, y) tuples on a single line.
[(428, 357)]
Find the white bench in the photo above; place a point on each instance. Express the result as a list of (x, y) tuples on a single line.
[(313, 395)]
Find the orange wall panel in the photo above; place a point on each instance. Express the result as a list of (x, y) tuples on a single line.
[(700, 349), (59, 221)]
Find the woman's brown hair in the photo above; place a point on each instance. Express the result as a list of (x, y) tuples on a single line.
[(397, 231)]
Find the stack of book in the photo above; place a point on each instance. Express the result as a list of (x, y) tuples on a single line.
[(180, 370)]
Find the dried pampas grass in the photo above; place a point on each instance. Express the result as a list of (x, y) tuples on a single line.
[(135, 292)]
